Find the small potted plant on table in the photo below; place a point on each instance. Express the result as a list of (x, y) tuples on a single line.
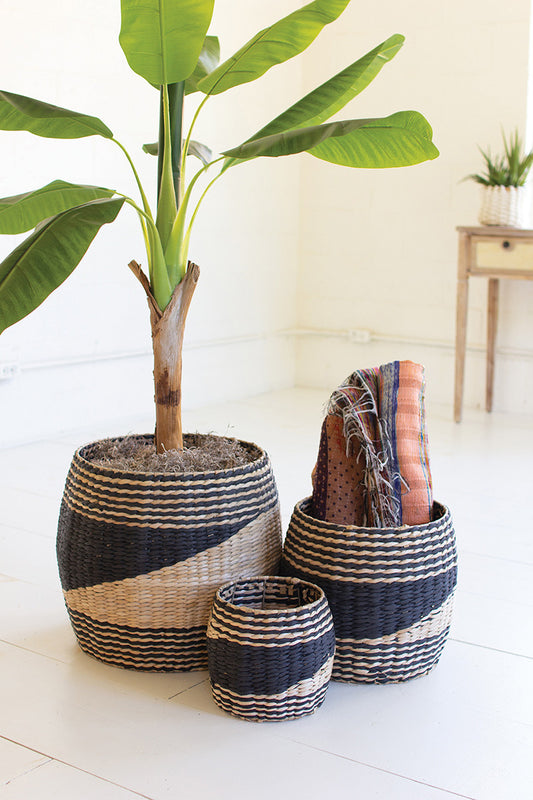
[(503, 184)]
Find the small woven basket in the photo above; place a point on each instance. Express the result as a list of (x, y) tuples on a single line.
[(390, 591), (271, 644), (502, 205), (141, 555)]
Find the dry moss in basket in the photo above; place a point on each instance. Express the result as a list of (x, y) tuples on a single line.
[(201, 453)]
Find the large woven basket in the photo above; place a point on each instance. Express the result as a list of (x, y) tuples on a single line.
[(390, 591), (271, 645), (141, 555)]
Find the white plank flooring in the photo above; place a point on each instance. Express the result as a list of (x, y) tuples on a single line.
[(72, 727)]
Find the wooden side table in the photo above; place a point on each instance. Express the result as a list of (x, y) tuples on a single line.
[(490, 252)]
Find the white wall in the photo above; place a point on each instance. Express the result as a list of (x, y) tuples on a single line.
[(379, 248), (68, 54)]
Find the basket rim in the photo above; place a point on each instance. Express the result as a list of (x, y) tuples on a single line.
[(263, 458), (443, 510), (284, 579)]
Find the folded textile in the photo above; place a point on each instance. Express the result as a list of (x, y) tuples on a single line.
[(373, 465)]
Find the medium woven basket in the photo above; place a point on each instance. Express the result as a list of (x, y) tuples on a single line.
[(141, 555), (271, 644), (390, 591)]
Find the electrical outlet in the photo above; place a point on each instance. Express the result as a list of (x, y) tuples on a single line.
[(360, 335), (8, 371)]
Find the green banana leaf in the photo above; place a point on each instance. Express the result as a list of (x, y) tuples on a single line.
[(400, 140), (324, 101), (273, 45), (47, 257), (162, 40), (24, 211), (20, 113), (207, 61), (196, 149), (320, 104)]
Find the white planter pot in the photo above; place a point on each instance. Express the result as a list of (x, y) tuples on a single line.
[(502, 205)]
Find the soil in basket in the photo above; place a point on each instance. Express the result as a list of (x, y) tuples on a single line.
[(201, 453)]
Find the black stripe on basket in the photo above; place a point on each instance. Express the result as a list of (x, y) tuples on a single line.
[(385, 667), (141, 648), (231, 507), (246, 669), (125, 491), (241, 621), (90, 552), (357, 537), (421, 559), (371, 610), (275, 710)]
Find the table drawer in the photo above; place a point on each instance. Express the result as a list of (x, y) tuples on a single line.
[(504, 254)]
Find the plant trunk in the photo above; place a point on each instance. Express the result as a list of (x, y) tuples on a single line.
[(168, 328)]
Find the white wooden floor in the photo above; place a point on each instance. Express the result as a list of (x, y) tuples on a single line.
[(71, 727)]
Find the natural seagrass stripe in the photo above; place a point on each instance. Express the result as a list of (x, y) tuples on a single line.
[(401, 549), (144, 636), (404, 655), (312, 630), (260, 634), (181, 595), (325, 532), (387, 577), (84, 495), (362, 565), (301, 689), (91, 552), (118, 488), (159, 481), (259, 712), (141, 649), (435, 622), (299, 699), (138, 485), (152, 518), (370, 610)]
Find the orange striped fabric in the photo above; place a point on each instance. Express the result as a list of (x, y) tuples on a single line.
[(373, 463)]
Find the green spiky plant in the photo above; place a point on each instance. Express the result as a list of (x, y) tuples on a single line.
[(510, 169), (167, 43)]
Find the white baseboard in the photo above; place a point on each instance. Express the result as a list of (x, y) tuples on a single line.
[(325, 358), (44, 400)]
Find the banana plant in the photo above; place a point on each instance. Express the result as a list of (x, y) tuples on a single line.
[(167, 43)]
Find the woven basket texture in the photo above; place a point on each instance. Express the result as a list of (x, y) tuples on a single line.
[(141, 555), (271, 644), (502, 205), (390, 591)]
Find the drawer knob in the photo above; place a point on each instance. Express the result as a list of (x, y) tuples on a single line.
[(506, 244)]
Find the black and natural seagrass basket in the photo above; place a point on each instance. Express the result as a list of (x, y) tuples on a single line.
[(271, 643), (390, 591), (141, 555)]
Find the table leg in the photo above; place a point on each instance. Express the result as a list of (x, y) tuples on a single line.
[(492, 324), (460, 327)]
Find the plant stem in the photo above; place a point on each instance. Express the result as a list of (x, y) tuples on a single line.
[(175, 254), (159, 279), (166, 206), (146, 204), (189, 136), (176, 94), (186, 238)]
